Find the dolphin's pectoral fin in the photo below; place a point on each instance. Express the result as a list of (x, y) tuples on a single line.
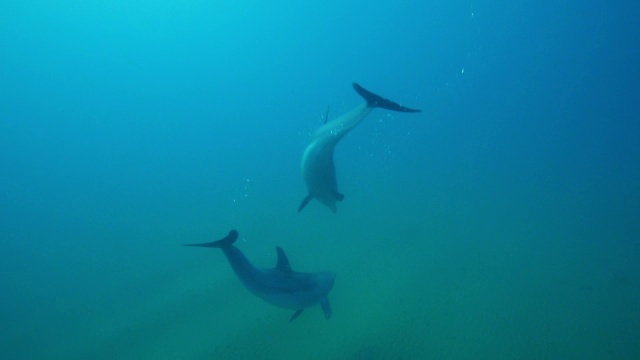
[(305, 202), (338, 196), (296, 314), (326, 307)]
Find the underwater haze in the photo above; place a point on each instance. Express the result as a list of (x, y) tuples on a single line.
[(501, 222)]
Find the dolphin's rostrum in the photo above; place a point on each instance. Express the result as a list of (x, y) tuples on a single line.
[(318, 169), (280, 286)]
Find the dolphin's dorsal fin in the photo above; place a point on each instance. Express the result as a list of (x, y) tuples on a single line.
[(283, 262), (326, 115)]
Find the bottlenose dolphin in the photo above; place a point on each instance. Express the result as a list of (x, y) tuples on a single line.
[(318, 169), (280, 286)]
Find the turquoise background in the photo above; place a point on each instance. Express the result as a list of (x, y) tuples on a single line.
[(502, 222)]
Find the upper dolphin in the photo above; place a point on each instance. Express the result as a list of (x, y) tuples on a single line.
[(280, 286), (318, 169)]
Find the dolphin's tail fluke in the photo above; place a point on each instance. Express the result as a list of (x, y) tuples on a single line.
[(374, 100), (222, 243)]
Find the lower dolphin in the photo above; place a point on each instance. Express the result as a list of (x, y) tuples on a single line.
[(318, 169), (280, 286)]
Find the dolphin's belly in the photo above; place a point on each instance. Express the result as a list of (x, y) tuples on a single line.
[(285, 292), (291, 301), (318, 169)]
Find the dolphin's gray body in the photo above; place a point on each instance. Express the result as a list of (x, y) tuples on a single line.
[(318, 169), (279, 286)]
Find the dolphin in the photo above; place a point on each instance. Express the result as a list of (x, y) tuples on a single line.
[(318, 169), (280, 286)]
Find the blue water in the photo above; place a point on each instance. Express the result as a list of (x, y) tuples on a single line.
[(499, 223)]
